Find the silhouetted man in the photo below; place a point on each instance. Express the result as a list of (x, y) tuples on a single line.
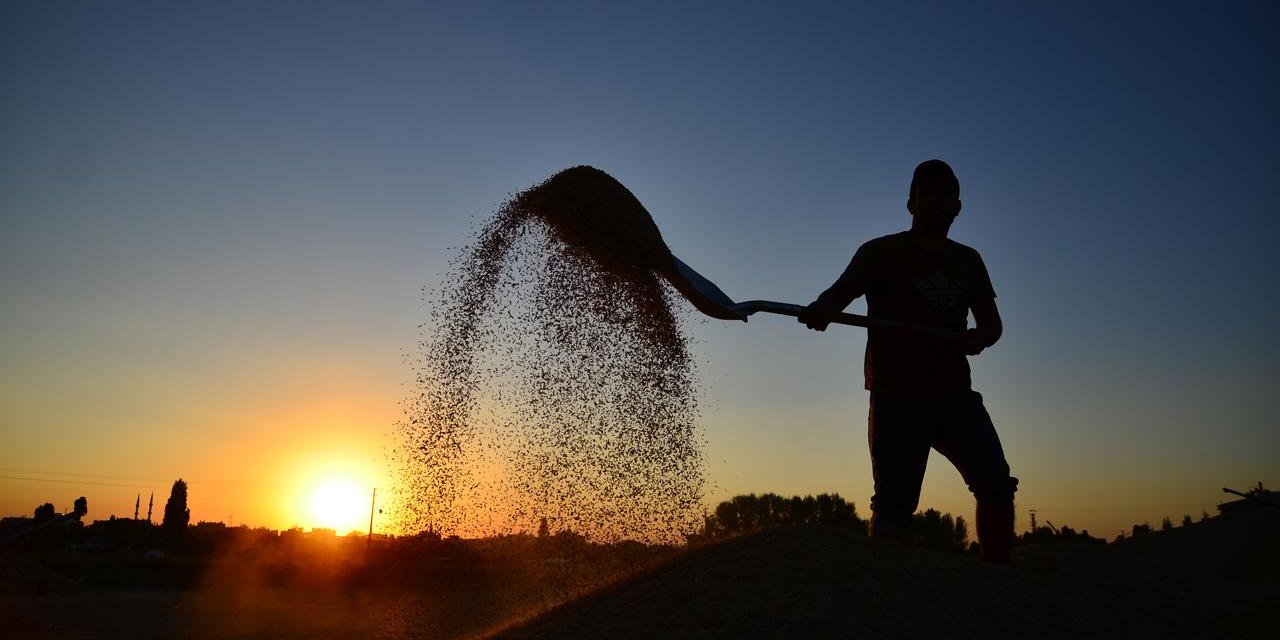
[(921, 393)]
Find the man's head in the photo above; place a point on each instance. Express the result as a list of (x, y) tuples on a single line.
[(935, 197)]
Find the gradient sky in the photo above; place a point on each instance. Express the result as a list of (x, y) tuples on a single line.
[(217, 220)]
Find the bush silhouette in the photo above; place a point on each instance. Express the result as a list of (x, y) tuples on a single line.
[(45, 513)]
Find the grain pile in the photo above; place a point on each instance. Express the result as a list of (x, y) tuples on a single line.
[(554, 380)]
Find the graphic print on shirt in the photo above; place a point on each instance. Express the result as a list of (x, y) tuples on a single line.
[(939, 290)]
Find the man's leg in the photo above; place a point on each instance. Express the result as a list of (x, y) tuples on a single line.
[(968, 439), (995, 530), (899, 438)]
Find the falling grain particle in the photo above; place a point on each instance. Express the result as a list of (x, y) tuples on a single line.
[(556, 382)]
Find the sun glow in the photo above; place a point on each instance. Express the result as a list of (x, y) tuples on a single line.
[(339, 504)]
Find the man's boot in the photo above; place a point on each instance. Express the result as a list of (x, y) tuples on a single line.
[(995, 530), (886, 530)]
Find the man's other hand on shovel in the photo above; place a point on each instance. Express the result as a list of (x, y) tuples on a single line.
[(974, 342), (814, 317)]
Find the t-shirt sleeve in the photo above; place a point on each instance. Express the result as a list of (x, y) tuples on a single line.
[(982, 287), (850, 285)]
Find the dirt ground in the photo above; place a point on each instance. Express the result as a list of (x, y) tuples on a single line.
[(260, 613), (1214, 579), (1217, 579)]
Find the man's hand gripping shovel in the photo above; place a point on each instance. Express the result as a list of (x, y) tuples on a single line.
[(709, 299)]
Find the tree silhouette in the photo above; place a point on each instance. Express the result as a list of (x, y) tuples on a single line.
[(176, 514), (45, 513), (938, 531), (725, 521), (746, 513)]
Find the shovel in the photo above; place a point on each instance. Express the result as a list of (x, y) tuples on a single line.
[(709, 299), (588, 208)]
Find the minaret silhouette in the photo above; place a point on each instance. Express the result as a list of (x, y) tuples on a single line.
[(150, 501), (137, 503)]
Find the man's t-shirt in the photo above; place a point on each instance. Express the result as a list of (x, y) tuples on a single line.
[(907, 280)]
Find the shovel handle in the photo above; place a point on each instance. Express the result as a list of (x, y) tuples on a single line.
[(782, 308)]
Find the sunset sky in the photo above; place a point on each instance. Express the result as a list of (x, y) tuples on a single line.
[(217, 221)]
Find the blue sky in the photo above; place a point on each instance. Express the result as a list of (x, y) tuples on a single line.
[(212, 215)]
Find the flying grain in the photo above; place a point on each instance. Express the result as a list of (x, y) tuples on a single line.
[(554, 379)]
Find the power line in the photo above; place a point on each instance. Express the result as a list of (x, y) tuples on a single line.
[(78, 475), (76, 482), (256, 487), (199, 487), (1136, 508), (95, 492)]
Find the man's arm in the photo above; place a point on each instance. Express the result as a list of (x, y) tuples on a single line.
[(846, 289), (987, 326)]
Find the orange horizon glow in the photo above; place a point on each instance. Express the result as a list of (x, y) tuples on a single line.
[(263, 456)]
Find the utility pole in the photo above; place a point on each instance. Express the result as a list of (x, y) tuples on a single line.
[(368, 542)]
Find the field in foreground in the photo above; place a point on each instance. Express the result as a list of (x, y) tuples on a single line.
[(1214, 579)]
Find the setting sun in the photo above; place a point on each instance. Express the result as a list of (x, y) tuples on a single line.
[(338, 504)]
